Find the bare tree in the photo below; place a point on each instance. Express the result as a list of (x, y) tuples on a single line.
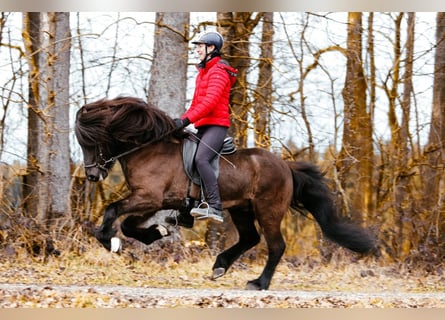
[(31, 38), (168, 80), (434, 151), (402, 147), (356, 156), (263, 93), (49, 83), (236, 28)]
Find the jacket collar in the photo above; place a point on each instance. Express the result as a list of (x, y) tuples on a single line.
[(210, 63)]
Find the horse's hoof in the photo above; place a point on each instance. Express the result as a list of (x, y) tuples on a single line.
[(116, 245), (252, 285), (218, 272), (163, 230)]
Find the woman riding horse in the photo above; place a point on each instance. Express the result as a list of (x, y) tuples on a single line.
[(257, 189)]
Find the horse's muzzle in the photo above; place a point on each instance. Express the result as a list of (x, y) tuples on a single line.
[(92, 178), (95, 174)]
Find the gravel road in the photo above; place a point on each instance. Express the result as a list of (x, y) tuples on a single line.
[(27, 295)]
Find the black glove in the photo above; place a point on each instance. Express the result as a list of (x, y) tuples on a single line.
[(181, 123)]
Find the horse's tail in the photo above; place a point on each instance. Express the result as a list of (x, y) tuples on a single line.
[(312, 193)]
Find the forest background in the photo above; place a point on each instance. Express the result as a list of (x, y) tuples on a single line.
[(360, 94)]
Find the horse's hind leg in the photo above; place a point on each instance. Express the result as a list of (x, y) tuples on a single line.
[(131, 228), (270, 223), (248, 238)]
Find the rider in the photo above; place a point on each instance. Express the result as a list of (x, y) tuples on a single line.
[(209, 112)]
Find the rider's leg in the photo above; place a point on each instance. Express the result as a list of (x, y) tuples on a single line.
[(211, 141)]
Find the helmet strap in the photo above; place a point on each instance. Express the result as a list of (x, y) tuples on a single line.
[(202, 64)]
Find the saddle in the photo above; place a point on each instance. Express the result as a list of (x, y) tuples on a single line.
[(189, 147)]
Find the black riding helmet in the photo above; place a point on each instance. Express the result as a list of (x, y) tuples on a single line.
[(210, 38)]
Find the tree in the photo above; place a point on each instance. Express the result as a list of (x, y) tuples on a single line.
[(31, 30), (49, 36), (434, 151), (401, 137), (263, 94), (236, 28), (5, 100), (356, 156), (168, 81)]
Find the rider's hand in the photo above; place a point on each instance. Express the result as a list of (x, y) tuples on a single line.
[(181, 123)]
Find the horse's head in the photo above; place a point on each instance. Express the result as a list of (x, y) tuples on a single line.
[(96, 163), (94, 140), (109, 128)]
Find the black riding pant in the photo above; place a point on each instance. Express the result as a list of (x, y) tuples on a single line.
[(211, 141)]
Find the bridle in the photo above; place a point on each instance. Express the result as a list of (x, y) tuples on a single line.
[(103, 163)]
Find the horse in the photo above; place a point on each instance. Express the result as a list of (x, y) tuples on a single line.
[(255, 184)]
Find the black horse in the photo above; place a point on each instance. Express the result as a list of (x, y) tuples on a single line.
[(255, 184)]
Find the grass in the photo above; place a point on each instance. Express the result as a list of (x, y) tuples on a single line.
[(188, 265)]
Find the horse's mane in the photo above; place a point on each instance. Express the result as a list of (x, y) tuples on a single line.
[(125, 120)]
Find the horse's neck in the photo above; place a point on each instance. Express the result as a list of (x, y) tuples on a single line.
[(152, 168), (154, 152)]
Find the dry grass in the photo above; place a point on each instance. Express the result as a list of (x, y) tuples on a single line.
[(82, 261), (188, 265)]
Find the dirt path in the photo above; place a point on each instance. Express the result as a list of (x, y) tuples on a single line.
[(26, 295)]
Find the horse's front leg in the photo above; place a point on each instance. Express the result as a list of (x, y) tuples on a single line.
[(106, 231), (141, 206), (134, 227)]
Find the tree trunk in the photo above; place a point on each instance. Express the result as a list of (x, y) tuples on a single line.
[(168, 75), (31, 38), (356, 156), (401, 153), (263, 93), (49, 82), (434, 152), (236, 28)]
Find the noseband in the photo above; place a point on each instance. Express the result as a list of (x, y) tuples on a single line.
[(103, 163)]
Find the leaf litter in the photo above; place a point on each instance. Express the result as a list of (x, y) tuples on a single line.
[(165, 277)]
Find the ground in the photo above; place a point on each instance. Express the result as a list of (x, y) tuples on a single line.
[(101, 296), (97, 278)]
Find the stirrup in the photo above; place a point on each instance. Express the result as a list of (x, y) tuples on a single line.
[(201, 211), (204, 211)]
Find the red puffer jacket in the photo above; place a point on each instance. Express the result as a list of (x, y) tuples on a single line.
[(210, 103)]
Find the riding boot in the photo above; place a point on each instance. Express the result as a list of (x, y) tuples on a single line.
[(204, 210), (212, 208)]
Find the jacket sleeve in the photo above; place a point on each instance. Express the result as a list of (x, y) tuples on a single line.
[(205, 104)]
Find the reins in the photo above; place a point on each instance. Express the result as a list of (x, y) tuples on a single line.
[(123, 154)]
